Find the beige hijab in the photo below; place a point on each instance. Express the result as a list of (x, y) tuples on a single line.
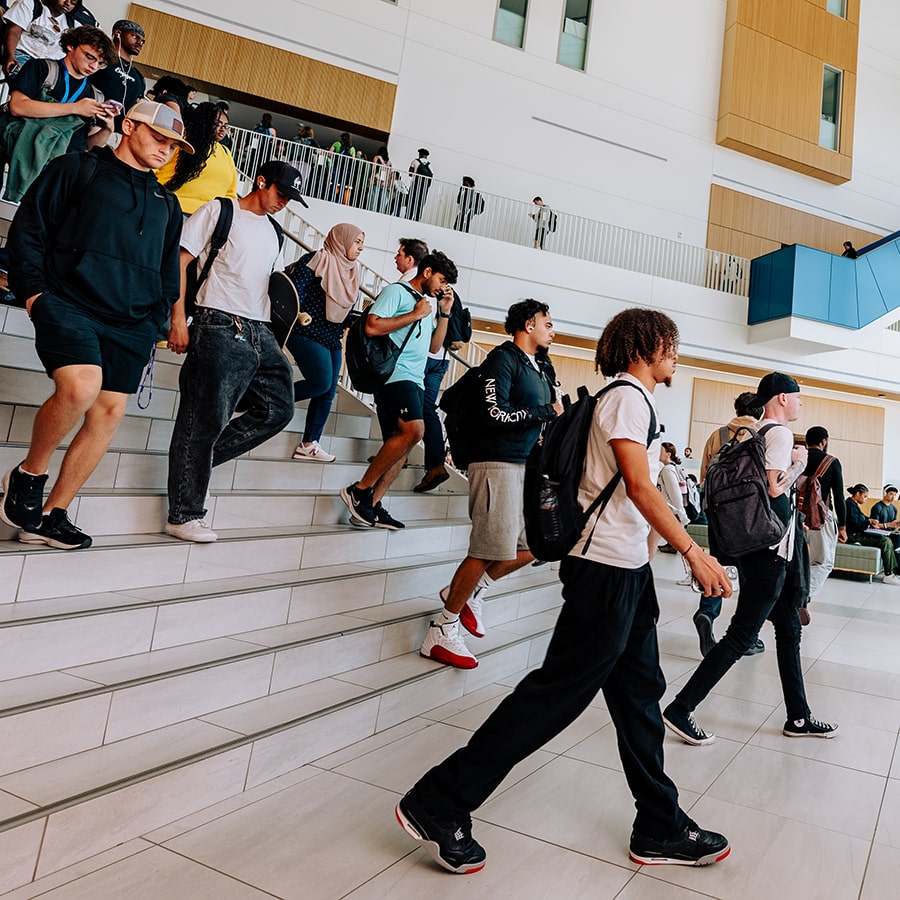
[(339, 274)]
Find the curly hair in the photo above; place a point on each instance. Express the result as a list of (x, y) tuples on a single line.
[(522, 312), (439, 263), (634, 335), (90, 37), (200, 131)]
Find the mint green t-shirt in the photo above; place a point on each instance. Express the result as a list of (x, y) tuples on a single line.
[(397, 300)]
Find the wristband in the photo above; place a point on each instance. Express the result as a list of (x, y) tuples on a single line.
[(443, 315), (688, 549)]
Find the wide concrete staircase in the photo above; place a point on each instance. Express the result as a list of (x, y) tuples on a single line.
[(147, 678)]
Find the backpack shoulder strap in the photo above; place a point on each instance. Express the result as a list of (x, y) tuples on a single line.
[(218, 238), (653, 432), (823, 466), (52, 75), (278, 231)]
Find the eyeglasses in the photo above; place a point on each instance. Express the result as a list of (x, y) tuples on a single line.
[(91, 58)]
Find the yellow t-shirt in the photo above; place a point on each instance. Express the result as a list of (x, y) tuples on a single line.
[(218, 178)]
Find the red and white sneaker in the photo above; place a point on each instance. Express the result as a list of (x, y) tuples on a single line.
[(444, 645), (471, 614)]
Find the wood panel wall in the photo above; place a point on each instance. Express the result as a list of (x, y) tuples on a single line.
[(749, 226), (211, 57), (770, 100), (856, 431)]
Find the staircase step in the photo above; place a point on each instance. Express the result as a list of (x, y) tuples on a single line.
[(67, 809)]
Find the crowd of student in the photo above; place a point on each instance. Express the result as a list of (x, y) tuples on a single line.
[(141, 256)]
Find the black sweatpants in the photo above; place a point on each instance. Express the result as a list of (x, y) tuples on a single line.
[(605, 638)]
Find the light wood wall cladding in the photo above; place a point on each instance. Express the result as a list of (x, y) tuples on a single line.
[(770, 100), (856, 431), (750, 226), (203, 54)]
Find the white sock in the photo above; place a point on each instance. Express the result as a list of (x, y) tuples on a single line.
[(485, 583), (446, 617), (32, 474)]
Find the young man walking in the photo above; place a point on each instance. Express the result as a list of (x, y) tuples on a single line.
[(770, 585), (94, 254), (746, 415), (231, 353), (823, 541), (605, 637), (405, 312), (519, 396)]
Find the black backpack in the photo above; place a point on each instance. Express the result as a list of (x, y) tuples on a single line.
[(194, 278), (423, 170), (459, 326), (371, 360), (736, 496), (460, 403), (554, 520)]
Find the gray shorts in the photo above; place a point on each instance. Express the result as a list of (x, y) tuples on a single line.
[(495, 508)]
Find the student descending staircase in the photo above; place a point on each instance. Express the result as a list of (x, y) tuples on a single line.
[(146, 678)]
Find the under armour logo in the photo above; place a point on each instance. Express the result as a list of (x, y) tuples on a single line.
[(404, 411)]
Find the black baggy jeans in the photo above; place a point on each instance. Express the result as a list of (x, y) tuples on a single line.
[(605, 638)]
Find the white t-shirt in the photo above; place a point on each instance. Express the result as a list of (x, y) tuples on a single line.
[(779, 444), (238, 281), (620, 538), (39, 39)]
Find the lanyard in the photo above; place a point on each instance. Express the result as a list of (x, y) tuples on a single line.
[(71, 99)]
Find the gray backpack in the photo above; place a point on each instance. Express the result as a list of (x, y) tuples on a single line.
[(736, 498)]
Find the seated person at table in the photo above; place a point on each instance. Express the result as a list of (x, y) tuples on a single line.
[(858, 522)]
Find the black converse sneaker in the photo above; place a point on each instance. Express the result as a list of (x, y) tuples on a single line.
[(685, 727), (359, 502), (693, 847), (23, 499), (808, 727), (56, 531), (449, 842)]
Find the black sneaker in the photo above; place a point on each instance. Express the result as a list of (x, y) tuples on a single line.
[(685, 727), (756, 647), (23, 499), (359, 502), (450, 843), (704, 626), (383, 519), (808, 727), (694, 847), (57, 531)]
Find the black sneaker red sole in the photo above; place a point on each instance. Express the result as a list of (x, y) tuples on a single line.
[(432, 847)]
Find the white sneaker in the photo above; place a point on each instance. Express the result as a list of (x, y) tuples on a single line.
[(471, 614), (196, 530), (314, 453), (891, 579), (444, 645)]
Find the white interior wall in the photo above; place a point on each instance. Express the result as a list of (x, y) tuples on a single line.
[(647, 103)]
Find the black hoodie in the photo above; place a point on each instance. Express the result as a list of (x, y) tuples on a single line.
[(110, 244)]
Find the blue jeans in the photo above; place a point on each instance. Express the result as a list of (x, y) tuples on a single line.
[(228, 358), (435, 451), (320, 368)]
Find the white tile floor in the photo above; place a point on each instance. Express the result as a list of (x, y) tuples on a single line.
[(806, 819)]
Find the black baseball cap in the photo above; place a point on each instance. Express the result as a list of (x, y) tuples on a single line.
[(288, 179), (772, 385)]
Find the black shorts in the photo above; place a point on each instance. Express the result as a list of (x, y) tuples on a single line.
[(401, 400), (67, 335)]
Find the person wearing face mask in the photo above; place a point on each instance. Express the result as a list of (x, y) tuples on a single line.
[(327, 283)]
